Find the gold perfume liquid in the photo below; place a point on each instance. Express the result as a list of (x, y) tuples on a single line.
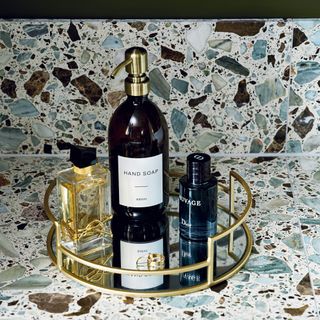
[(84, 216)]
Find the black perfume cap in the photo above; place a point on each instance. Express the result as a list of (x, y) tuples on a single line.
[(83, 157), (198, 168)]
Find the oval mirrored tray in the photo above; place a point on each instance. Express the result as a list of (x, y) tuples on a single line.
[(227, 251)]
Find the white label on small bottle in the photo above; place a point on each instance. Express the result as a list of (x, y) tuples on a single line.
[(140, 256), (140, 181)]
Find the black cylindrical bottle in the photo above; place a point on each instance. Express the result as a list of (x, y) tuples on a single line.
[(197, 215), (140, 244)]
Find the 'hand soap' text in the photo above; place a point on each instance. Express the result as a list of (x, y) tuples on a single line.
[(140, 173)]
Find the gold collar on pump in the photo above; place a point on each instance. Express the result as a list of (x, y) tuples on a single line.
[(136, 64)]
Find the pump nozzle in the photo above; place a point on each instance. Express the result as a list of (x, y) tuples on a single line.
[(120, 67), (136, 64)]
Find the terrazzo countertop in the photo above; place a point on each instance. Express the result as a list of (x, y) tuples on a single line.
[(280, 281)]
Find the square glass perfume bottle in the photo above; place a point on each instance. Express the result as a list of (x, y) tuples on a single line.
[(83, 192)]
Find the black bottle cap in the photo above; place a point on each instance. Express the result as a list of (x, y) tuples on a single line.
[(198, 168), (83, 157)]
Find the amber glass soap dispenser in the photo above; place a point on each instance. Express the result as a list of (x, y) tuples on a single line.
[(138, 145), (83, 199), (138, 156)]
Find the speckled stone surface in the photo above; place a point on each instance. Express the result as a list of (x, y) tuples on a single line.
[(222, 85), (304, 111), (305, 176), (235, 87), (280, 280)]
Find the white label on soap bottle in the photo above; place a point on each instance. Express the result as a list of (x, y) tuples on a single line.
[(140, 181), (136, 256)]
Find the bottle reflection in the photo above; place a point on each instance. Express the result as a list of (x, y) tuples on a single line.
[(192, 252)]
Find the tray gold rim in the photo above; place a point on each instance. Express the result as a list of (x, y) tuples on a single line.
[(239, 220)]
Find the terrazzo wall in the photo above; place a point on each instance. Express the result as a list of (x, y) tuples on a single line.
[(224, 86)]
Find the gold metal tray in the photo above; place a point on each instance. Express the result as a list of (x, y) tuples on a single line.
[(226, 243)]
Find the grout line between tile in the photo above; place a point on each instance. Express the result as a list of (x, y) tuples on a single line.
[(289, 86), (176, 154)]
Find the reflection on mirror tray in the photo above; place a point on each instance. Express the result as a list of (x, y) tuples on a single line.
[(226, 258), (103, 255)]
